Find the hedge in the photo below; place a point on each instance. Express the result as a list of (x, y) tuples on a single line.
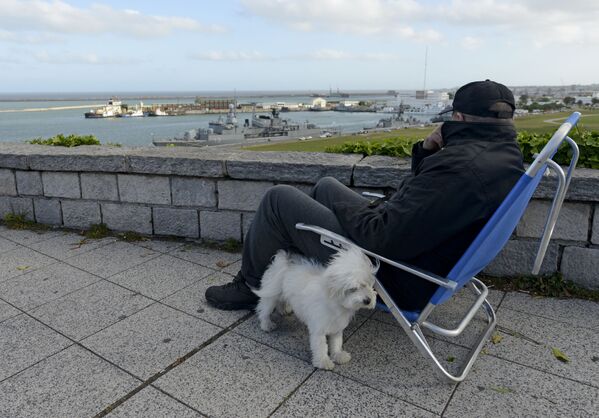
[(530, 144)]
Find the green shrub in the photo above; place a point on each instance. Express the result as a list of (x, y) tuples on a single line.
[(393, 147), (530, 144), (61, 140), (588, 143)]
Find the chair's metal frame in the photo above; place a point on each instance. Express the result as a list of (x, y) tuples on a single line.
[(413, 326)]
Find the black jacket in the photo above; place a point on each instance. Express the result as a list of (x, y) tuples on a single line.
[(438, 211)]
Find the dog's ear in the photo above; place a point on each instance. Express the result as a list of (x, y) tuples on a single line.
[(335, 284), (375, 266)]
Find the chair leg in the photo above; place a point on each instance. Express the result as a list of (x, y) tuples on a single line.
[(421, 343), (416, 335)]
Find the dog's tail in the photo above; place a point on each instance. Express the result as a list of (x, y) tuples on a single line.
[(271, 285)]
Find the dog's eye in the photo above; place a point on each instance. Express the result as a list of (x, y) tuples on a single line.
[(352, 290)]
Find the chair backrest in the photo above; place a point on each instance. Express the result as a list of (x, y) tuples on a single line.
[(497, 231)]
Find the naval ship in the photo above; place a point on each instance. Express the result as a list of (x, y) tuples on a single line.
[(227, 130)]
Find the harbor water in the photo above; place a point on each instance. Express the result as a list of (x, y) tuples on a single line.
[(24, 120)]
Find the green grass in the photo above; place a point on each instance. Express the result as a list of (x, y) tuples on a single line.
[(531, 123), (18, 221), (553, 286), (97, 231), (230, 245), (319, 144)]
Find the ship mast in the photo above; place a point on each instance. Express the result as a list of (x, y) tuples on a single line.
[(425, 65)]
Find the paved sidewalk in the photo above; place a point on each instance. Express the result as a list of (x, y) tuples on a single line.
[(111, 326)]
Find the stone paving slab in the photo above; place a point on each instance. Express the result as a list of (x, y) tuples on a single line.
[(6, 245), (151, 403), (451, 313), (152, 339), (159, 245), (498, 388), (328, 395), (72, 383), (386, 376), (581, 313), (232, 269), (191, 299), (385, 359), (33, 289), (533, 339), (291, 336), (7, 311), (69, 245), (122, 256), (161, 276), (91, 309), (21, 260), (24, 342), (235, 377), (207, 257), (26, 237)]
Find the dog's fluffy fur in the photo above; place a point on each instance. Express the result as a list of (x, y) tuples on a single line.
[(325, 298)]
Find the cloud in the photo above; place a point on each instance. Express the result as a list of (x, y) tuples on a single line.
[(57, 16), (471, 43), (362, 17), (542, 22), (89, 58), (318, 55), (231, 56), (28, 38), (340, 55)]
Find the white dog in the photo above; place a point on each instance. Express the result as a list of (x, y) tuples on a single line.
[(325, 298)]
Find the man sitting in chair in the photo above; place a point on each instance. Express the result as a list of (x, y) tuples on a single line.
[(461, 173)]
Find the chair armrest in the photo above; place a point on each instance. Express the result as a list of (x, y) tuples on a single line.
[(336, 241)]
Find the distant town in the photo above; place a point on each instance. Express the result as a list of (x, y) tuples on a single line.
[(418, 103)]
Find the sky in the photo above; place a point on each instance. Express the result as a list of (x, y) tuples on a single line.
[(201, 45)]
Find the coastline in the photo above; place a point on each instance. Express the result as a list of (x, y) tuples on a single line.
[(47, 109)]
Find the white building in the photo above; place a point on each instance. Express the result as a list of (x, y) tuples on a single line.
[(319, 103)]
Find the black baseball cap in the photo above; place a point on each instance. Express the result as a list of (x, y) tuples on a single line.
[(480, 97)]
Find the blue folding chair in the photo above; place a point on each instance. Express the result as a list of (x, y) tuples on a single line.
[(485, 247)]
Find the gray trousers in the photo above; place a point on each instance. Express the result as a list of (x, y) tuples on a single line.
[(273, 227)]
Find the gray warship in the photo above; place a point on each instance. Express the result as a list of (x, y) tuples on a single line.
[(227, 130)]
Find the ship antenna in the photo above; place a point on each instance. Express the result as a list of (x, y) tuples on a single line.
[(425, 64)]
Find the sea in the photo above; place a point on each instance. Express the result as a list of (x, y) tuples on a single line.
[(42, 115)]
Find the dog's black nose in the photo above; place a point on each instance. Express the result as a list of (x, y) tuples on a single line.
[(366, 301)]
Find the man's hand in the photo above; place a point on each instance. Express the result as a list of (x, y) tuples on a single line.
[(434, 141)]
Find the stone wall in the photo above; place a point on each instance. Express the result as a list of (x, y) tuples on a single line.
[(212, 194)]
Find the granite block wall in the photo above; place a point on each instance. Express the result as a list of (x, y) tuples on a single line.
[(197, 193)]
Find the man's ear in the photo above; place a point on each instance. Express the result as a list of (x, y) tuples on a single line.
[(458, 116)]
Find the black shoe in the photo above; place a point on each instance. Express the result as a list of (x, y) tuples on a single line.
[(232, 296)]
